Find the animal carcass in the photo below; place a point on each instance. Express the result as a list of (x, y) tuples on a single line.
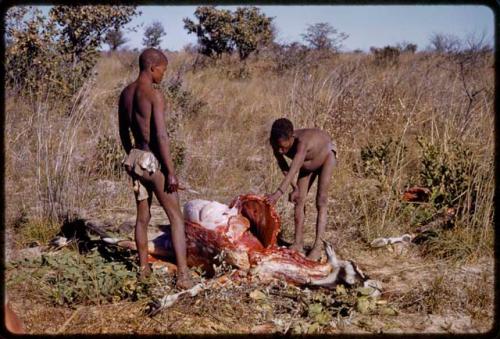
[(246, 232)]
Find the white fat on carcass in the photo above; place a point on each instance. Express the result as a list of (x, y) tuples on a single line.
[(208, 214)]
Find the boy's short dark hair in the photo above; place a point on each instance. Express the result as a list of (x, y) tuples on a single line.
[(281, 128), (151, 57)]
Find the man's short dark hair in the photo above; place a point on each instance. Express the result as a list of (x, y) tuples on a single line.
[(281, 128), (151, 57)]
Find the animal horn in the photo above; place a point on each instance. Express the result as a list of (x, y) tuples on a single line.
[(331, 279), (330, 253)]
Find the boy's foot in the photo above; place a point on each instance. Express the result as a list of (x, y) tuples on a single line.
[(297, 247), (315, 254), (144, 272), (184, 281)]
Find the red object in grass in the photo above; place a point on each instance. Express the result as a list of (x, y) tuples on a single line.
[(417, 194)]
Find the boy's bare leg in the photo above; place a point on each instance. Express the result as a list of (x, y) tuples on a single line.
[(141, 235), (304, 182), (325, 175), (170, 203)]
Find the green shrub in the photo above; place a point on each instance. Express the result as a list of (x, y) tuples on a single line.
[(184, 102), (448, 173), (377, 160), (56, 54), (388, 55), (68, 278)]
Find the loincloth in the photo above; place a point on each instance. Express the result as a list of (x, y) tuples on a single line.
[(137, 163)]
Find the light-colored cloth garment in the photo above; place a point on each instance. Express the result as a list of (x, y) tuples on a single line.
[(137, 163)]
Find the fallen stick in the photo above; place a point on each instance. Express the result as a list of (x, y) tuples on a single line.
[(156, 306), (66, 323)]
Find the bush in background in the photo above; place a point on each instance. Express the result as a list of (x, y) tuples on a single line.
[(221, 31), (56, 54)]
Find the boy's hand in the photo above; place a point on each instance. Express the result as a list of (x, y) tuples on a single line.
[(294, 195), (273, 198), (172, 183)]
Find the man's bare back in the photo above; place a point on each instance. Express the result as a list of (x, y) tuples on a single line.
[(149, 163)]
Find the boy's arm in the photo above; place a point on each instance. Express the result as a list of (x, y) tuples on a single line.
[(124, 124), (162, 139), (295, 166), (283, 165)]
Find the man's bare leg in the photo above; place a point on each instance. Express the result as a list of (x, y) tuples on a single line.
[(141, 235), (304, 182), (325, 174), (170, 203)]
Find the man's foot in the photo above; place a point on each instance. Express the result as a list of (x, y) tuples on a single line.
[(184, 281), (315, 254), (297, 247)]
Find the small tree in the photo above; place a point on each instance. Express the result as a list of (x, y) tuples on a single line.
[(115, 39), (221, 31), (153, 35), (83, 28), (322, 36), (444, 43), (477, 43), (406, 46), (214, 30), (251, 29)]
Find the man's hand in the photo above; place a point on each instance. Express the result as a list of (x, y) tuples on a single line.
[(273, 198), (172, 183)]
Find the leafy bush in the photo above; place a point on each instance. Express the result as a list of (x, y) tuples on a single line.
[(376, 160), (406, 47), (67, 278), (386, 56), (56, 54), (182, 99), (90, 279), (184, 105), (448, 173), (289, 56)]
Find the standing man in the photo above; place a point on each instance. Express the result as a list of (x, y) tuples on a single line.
[(149, 162)]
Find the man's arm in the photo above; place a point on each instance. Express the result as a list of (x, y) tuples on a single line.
[(124, 124), (161, 132)]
